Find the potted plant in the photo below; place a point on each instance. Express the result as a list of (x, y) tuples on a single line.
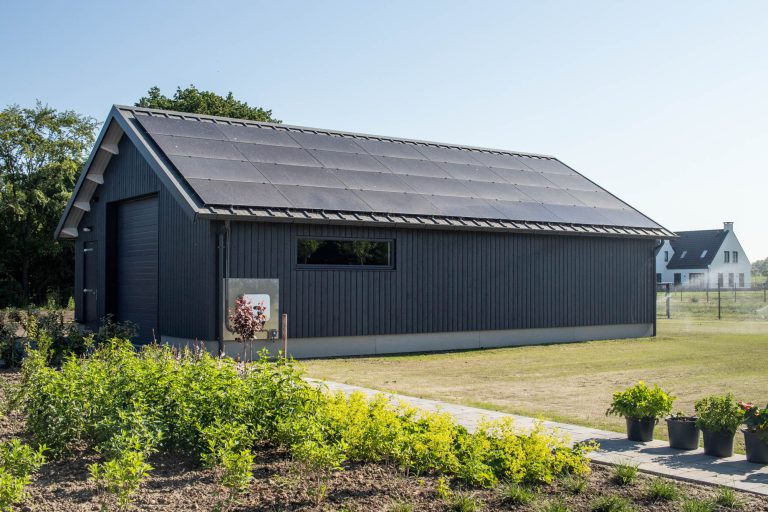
[(756, 433), (718, 418), (683, 432), (641, 406)]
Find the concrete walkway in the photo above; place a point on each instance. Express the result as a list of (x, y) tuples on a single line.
[(655, 457)]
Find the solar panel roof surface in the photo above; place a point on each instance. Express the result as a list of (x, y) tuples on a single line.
[(231, 163)]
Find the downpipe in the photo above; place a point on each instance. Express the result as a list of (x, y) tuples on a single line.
[(223, 249)]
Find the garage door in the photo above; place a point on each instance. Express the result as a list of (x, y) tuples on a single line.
[(136, 265)]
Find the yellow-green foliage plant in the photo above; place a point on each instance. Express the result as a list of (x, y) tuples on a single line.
[(18, 462), (189, 403), (536, 457), (230, 452)]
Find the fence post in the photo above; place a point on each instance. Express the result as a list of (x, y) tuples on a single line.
[(718, 300), (666, 299)]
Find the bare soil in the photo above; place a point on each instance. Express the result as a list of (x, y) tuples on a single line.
[(280, 484)]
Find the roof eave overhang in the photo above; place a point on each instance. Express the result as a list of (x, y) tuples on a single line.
[(92, 175), (260, 214)]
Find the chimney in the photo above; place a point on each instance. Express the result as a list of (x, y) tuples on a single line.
[(728, 226)]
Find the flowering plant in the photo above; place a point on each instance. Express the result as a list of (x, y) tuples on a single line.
[(755, 419)]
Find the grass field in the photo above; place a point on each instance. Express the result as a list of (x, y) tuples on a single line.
[(574, 382)]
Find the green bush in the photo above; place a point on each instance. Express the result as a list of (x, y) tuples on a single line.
[(640, 401), (230, 452), (719, 414), (127, 404), (18, 462), (537, 457), (122, 475)]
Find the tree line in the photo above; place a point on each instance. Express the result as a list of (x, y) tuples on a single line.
[(42, 151)]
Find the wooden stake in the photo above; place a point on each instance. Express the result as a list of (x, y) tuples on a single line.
[(285, 334)]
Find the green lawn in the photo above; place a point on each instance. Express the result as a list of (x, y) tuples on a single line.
[(574, 382)]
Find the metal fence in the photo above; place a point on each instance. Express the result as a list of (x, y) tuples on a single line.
[(675, 301)]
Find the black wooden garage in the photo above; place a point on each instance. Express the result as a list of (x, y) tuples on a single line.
[(379, 244)]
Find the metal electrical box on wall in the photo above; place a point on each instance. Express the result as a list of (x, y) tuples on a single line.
[(261, 293)]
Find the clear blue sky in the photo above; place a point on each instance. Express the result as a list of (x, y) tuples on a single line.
[(663, 103)]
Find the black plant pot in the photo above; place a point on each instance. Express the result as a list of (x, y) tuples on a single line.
[(640, 429), (683, 433), (757, 449), (718, 444)]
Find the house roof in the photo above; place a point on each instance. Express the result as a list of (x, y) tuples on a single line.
[(232, 168), (696, 249)]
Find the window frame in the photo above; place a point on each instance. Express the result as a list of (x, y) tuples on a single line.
[(726, 256), (323, 266), (735, 257)]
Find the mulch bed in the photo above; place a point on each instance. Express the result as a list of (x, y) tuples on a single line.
[(281, 485)]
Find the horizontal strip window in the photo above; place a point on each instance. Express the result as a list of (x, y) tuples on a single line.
[(345, 253)]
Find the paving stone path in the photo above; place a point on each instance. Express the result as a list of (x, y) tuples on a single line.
[(655, 457)]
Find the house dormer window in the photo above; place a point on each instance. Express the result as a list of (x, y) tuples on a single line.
[(666, 256), (735, 257), (703, 253), (726, 257)]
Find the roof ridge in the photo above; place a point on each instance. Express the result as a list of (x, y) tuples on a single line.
[(702, 231), (341, 133)]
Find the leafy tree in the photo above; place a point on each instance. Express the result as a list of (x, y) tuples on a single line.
[(204, 102), (41, 152), (760, 268)]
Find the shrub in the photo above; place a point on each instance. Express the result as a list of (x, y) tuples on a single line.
[(18, 462), (727, 498), (533, 458), (718, 414), (640, 401), (121, 476), (611, 504), (126, 404), (624, 474), (229, 450), (661, 489), (515, 494)]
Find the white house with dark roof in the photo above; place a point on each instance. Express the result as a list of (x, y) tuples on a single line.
[(701, 259)]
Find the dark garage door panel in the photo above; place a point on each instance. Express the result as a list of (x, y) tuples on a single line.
[(137, 265)]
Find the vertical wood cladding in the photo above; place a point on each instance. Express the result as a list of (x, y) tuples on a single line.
[(187, 279), (442, 280), (452, 280)]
